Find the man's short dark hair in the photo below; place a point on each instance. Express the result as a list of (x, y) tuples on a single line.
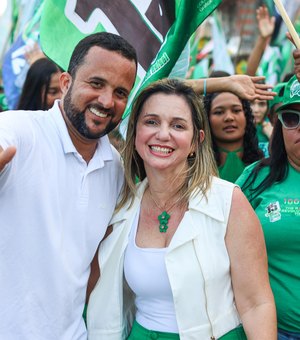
[(107, 41)]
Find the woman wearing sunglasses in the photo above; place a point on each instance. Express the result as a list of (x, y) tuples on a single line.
[(272, 186)]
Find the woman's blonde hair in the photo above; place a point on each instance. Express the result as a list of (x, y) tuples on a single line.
[(201, 165)]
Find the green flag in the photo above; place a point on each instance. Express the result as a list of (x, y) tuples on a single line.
[(270, 5), (189, 16), (159, 30)]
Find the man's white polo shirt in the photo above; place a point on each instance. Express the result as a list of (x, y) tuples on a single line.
[(54, 210)]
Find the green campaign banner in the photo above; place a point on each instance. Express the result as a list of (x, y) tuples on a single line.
[(158, 29), (270, 5)]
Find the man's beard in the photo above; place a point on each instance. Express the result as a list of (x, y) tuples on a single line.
[(77, 119)]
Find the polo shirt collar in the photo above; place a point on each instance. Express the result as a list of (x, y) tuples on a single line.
[(103, 152)]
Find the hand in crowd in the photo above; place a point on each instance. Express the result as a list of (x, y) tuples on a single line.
[(34, 53), (267, 128), (6, 156), (296, 55), (266, 24), (250, 88), (190, 72)]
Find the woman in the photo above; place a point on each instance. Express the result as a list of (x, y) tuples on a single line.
[(189, 244), (275, 102), (263, 125), (272, 187), (41, 86), (233, 133)]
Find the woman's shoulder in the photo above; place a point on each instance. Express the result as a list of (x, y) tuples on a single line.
[(219, 184), (219, 190)]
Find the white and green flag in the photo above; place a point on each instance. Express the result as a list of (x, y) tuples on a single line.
[(158, 29), (221, 58)]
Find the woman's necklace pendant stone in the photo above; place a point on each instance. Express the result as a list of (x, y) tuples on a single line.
[(163, 219)]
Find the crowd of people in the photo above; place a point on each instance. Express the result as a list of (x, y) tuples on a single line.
[(272, 187), (187, 228)]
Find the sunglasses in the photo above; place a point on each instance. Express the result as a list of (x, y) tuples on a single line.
[(290, 119)]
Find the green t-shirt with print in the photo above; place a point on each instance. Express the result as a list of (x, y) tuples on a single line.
[(278, 209), (263, 140)]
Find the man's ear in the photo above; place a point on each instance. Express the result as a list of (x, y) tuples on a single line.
[(65, 81)]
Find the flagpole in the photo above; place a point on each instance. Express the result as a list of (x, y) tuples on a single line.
[(288, 22)]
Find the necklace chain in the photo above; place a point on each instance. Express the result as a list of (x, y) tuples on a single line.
[(161, 208), (164, 217)]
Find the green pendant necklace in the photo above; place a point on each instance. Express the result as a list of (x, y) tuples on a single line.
[(164, 217)]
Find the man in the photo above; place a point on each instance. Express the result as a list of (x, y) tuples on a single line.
[(59, 183)]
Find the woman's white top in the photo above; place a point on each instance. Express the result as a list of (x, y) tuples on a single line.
[(146, 274), (197, 264)]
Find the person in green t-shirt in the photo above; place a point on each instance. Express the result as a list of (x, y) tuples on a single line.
[(265, 117), (272, 187), (233, 132), (275, 102), (263, 125)]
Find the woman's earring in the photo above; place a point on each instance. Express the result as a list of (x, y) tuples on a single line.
[(192, 155)]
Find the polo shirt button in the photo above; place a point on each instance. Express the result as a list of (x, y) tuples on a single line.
[(153, 335)]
